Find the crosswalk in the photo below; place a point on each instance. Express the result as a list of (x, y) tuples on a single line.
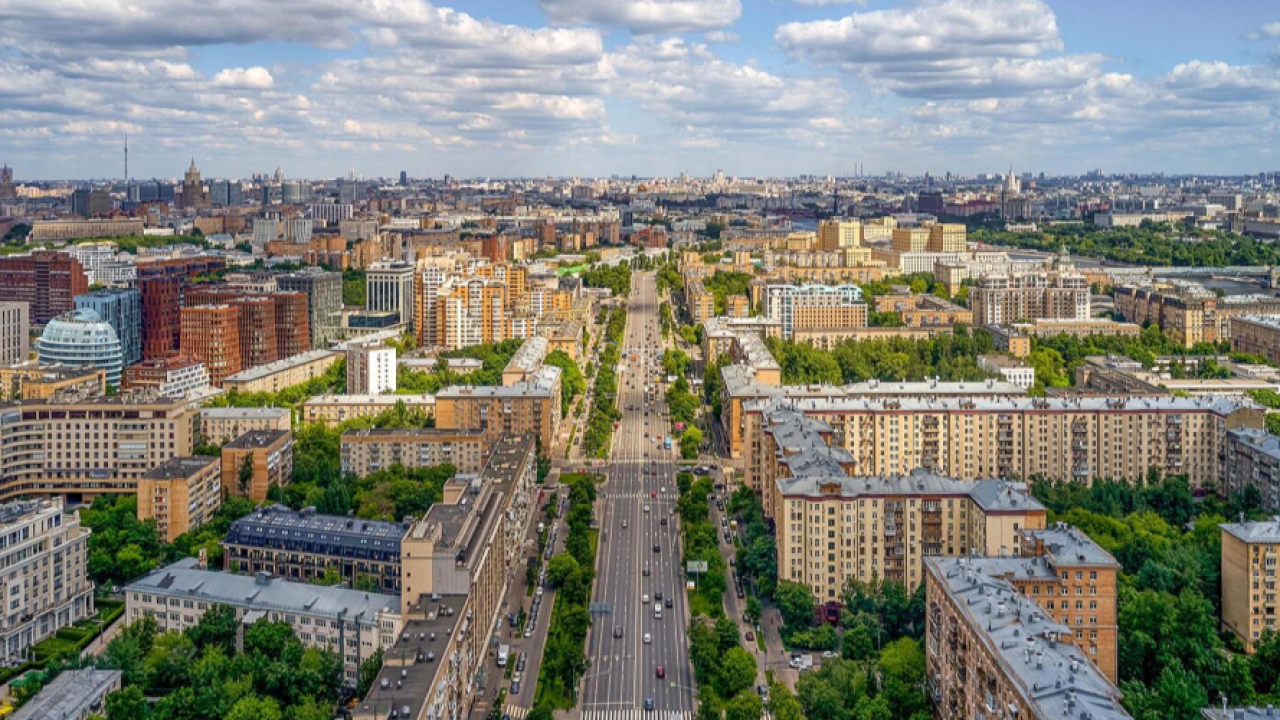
[(636, 714), (515, 712), (640, 496)]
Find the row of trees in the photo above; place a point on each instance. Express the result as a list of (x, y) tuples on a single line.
[(1172, 659), (571, 573), (332, 380), (604, 407), (198, 674), (616, 277), (1149, 244), (493, 356)]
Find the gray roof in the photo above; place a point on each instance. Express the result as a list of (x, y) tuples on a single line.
[(279, 526), (740, 382), (427, 630), (70, 695), (181, 467), (1260, 440), (256, 439), (184, 579), (1263, 531), (929, 403), (992, 495), (530, 355), (260, 371), (1241, 713), (232, 413), (1067, 545), (1047, 672), (540, 386)]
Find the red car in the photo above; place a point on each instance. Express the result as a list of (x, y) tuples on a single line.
[(662, 672)]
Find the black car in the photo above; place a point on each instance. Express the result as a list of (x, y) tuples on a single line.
[(656, 548), (669, 603)]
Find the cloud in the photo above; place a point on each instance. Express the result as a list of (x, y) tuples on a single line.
[(254, 78), (1266, 32), (719, 36), (823, 3), (645, 17)]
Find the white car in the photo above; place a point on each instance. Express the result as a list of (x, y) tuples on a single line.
[(646, 508), (647, 639), (644, 599)]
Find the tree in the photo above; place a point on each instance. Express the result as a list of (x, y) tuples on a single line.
[(127, 703), (168, 665), (541, 712), (737, 672), (310, 709), (268, 638), (690, 441), (216, 628), (783, 704), (744, 706), (754, 609), (795, 602), (369, 670), (244, 476), (255, 708), (560, 567)]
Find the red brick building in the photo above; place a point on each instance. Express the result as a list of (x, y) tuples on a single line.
[(211, 335), (47, 280)]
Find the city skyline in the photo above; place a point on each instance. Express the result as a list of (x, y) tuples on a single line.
[(647, 87)]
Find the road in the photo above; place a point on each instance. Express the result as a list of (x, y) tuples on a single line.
[(640, 493)]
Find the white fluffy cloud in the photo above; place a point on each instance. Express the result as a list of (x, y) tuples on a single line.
[(645, 16), (254, 78)]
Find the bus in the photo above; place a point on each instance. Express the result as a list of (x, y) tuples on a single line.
[(504, 652)]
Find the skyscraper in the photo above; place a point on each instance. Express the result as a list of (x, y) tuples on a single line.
[(390, 287), (193, 193), (7, 191), (122, 309)]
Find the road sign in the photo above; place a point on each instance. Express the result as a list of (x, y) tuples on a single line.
[(697, 566), (600, 608)]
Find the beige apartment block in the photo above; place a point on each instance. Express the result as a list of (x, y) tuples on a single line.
[(181, 494), (368, 450), (1250, 552)]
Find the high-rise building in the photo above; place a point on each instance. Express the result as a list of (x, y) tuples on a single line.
[(331, 213), (910, 239), (161, 315), (226, 193), (46, 562), (81, 337), (1253, 460), (471, 311), (427, 280), (122, 309), (1056, 293), (323, 290), (211, 335), (838, 234), (265, 230), (194, 195), (180, 494), (46, 280), (404, 178), (371, 369), (273, 326), (1250, 606), (15, 332), (815, 307), (947, 237), (255, 462), (87, 202), (390, 288)]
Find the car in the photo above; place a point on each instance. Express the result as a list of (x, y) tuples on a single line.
[(648, 638), (646, 569), (669, 603), (617, 631), (664, 521), (827, 655), (662, 490), (657, 548), (749, 635), (646, 508), (515, 678), (624, 524), (528, 631), (661, 672), (644, 599), (648, 703), (762, 690), (653, 494), (515, 688), (657, 595), (746, 618)]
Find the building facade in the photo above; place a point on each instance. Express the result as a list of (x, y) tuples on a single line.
[(171, 376), (211, 336), (1249, 558), (333, 410), (81, 337), (1253, 460), (274, 377), (323, 290), (390, 288), (371, 369), (368, 450), (222, 425), (180, 494), (47, 281), (256, 461), (525, 407), (122, 309), (15, 333)]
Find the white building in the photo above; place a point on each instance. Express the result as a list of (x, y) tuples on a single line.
[(44, 553), (371, 369), (15, 332), (352, 623), (92, 255), (390, 288), (332, 213), (1014, 371), (781, 301)]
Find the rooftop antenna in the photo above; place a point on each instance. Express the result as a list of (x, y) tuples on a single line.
[(126, 158)]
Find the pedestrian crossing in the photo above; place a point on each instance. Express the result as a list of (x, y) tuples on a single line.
[(638, 713), (640, 496), (516, 713)]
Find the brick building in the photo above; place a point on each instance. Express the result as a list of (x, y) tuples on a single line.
[(48, 281)]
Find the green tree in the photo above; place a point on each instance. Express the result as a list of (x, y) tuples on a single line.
[(795, 602), (168, 665), (754, 609), (369, 669), (690, 441), (244, 476), (255, 708), (737, 672), (127, 703), (727, 636), (560, 568), (744, 706), (783, 704)]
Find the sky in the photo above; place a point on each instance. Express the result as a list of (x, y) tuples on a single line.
[(504, 88)]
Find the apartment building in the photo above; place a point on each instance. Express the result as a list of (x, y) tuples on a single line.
[(815, 307), (1253, 460), (528, 406), (371, 368), (701, 304), (211, 336), (368, 450), (1074, 438), (1249, 556), (352, 623), (33, 381), (457, 563), (255, 461), (73, 695), (303, 546), (1013, 370), (991, 651), (333, 410), (390, 288), (917, 310), (274, 377), (1189, 313), (44, 552), (180, 494), (1256, 335), (272, 326), (15, 333), (222, 425), (1059, 293), (46, 280), (323, 290), (91, 446), (176, 376), (471, 311)]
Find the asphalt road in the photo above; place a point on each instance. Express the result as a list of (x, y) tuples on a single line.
[(623, 671)]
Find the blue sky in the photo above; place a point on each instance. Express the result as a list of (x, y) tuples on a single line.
[(596, 87)]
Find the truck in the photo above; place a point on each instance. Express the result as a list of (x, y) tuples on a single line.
[(504, 652)]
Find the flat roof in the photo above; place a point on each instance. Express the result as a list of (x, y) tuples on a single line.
[(992, 495), (425, 635), (540, 386), (389, 400), (181, 467), (260, 371), (185, 579), (1261, 531), (256, 439), (278, 521), (410, 434), (1166, 403), (232, 413), (69, 695)]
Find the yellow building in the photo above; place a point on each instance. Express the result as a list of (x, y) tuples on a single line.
[(1249, 557), (276, 376), (947, 237), (180, 494), (838, 234), (333, 410), (911, 239), (256, 461), (524, 407), (368, 450), (701, 304), (32, 381)]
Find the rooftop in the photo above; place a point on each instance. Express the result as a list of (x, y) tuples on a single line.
[(419, 653), (1270, 321), (530, 355), (849, 401), (232, 413), (1241, 713), (1053, 676), (1260, 531), (261, 371), (278, 521), (409, 434), (185, 579), (256, 439), (389, 400), (992, 495), (1066, 545), (181, 468), (70, 695), (541, 386)]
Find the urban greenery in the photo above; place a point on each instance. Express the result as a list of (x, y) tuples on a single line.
[(701, 543), (724, 283), (604, 408), (354, 288), (1150, 244), (494, 357), (756, 557), (616, 277), (332, 380), (946, 357), (572, 383)]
